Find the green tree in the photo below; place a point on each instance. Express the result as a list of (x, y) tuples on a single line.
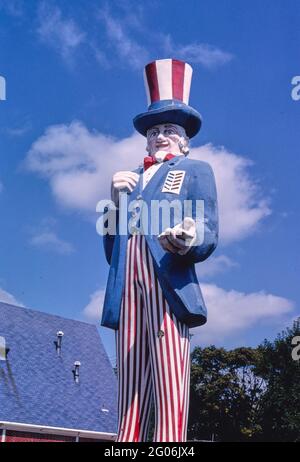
[(247, 393), (280, 404), (225, 394)]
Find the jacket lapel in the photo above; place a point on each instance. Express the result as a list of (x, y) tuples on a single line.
[(156, 180)]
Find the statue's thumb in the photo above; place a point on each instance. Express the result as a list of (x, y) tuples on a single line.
[(188, 223)]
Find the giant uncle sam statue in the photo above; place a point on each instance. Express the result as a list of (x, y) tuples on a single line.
[(152, 295)]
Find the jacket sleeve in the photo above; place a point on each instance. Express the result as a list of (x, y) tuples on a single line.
[(109, 240), (202, 186), (108, 243)]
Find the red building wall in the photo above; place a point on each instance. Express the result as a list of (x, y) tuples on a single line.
[(13, 436), (26, 437)]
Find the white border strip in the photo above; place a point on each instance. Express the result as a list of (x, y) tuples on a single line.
[(188, 71), (164, 77), (18, 426)]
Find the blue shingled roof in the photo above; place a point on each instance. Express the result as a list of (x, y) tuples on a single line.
[(37, 386)]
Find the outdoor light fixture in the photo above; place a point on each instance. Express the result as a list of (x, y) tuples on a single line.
[(2, 349), (60, 335), (77, 365), (104, 410)]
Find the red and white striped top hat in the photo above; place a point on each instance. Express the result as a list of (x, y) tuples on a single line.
[(168, 79), (168, 83)]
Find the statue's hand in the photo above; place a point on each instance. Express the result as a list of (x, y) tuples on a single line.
[(124, 181), (180, 238)]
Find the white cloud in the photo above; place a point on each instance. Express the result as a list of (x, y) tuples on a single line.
[(50, 241), (230, 312), (207, 55), (93, 311), (64, 35), (45, 237), (241, 205), (214, 265), (80, 163), (121, 41), (100, 55), (127, 42), (125, 47), (6, 297), (18, 131)]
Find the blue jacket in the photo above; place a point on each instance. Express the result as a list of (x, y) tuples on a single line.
[(175, 273)]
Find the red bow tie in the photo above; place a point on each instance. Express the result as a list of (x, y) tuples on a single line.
[(149, 161)]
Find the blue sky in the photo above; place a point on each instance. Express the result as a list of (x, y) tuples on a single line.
[(74, 82)]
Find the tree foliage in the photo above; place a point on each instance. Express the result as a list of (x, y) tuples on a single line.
[(246, 393)]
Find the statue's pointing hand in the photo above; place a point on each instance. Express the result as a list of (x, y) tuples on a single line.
[(180, 238), (124, 181)]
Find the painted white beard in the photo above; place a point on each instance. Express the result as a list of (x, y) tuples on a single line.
[(160, 155)]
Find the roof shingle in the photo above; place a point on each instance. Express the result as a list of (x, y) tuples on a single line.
[(37, 386)]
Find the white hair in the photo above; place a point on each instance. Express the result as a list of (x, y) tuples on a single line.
[(183, 146)]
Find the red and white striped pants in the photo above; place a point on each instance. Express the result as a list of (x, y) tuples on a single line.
[(153, 355)]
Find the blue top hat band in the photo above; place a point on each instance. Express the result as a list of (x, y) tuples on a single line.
[(169, 111)]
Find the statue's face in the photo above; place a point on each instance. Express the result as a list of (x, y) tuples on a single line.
[(169, 138)]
